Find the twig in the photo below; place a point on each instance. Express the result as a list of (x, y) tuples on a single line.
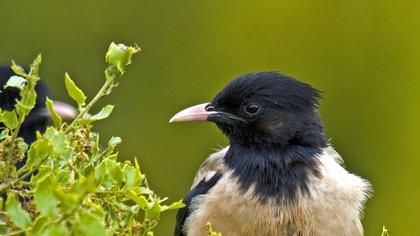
[(102, 92)]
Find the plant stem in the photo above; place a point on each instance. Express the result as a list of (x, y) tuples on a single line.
[(22, 116), (19, 232), (7, 185), (14, 136), (102, 92)]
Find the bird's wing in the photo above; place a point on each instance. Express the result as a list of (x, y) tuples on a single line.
[(213, 164), (207, 176)]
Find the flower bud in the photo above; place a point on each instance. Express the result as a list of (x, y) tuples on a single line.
[(120, 55)]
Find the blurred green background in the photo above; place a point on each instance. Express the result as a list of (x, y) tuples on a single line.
[(365, 56)]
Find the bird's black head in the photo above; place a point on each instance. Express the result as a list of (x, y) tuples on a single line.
[(9, 95), (264, 108), (38, 118)]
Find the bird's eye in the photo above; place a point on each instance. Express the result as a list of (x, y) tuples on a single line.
[(209, 108), (252, 108)]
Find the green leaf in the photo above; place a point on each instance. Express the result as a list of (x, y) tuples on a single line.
[(3, 228), (153, 210), (63, 176), (39, 150), (39, 225), (55, 117), (114, 141), (4, 133), (120, 55), (34, 71), (140, 200), (68, 200), (89, 225), (100, 172), (75, 92), (18, 69), (139, 175), (109, 170), (211, 232), (55, 230), (61, 148), (130, 176), (10, 119), (113, 169), (18, 216), (27, 101), (84, 185), (384, 231), (104, 113), (143, 190), (44, 197), (21, 145), (16, 82), (176, 205)]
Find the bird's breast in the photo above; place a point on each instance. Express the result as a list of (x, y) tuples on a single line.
[(332, 207), (234, 212)]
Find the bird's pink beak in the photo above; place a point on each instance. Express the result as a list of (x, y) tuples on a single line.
[(194, 113), (66, 111)]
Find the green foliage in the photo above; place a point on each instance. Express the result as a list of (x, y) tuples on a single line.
[(70, 184), (75, 92), (54, 116), (384, 231), (211, 232), (120, 55)]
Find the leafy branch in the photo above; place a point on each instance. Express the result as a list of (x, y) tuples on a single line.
[(69, 183)]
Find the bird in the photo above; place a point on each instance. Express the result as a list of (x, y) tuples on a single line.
[(280, 175), (39, 118)]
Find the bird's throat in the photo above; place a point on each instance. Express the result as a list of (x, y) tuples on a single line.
[(280, 174)]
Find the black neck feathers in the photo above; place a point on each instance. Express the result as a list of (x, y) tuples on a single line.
[(280, 174)]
